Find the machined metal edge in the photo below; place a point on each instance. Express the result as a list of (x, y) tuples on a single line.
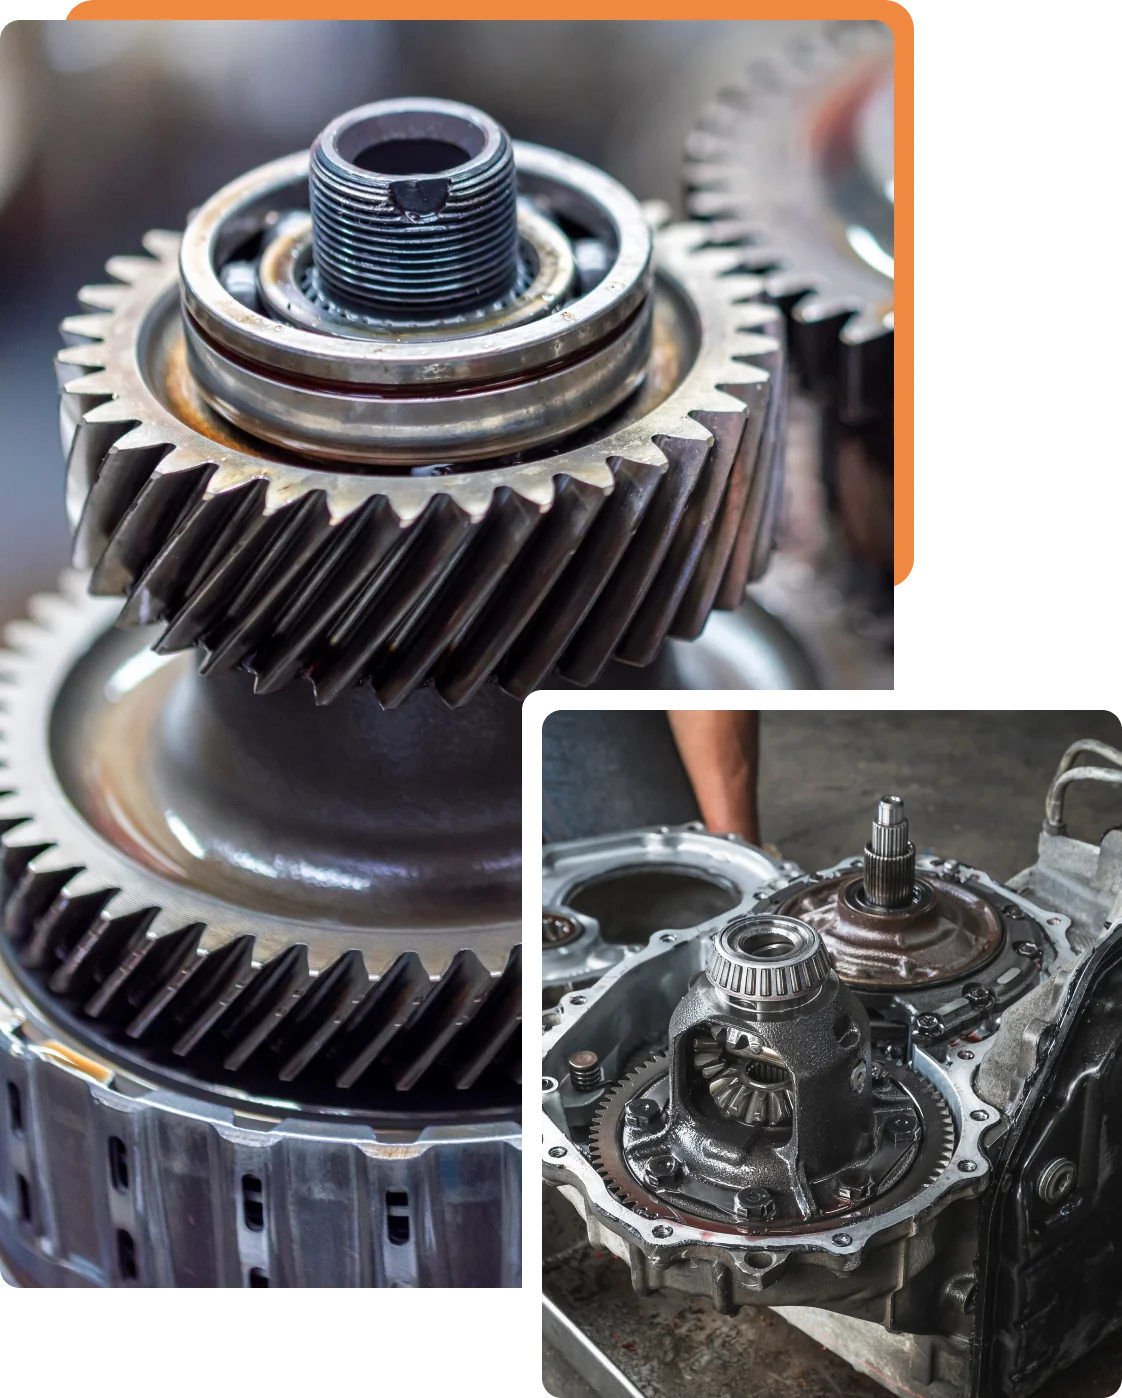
[(106, 1180)]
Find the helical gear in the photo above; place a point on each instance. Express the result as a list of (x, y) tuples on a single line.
[(598, 551), (189, 987), (751, 172)]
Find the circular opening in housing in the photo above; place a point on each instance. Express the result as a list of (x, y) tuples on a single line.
[(418, 157), (410, 143), (768, 945), (632, 904)]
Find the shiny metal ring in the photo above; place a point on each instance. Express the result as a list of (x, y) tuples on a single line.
[(401, 428), (566, 186)]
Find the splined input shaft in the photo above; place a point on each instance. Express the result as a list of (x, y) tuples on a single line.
[(890, 857)]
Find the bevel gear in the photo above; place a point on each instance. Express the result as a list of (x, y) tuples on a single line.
[(440, 538)]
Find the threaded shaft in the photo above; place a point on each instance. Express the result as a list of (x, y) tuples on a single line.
[(414, 210), (890, 857), (585, 1071)]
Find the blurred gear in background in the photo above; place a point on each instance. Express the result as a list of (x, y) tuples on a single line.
[(794, 166)]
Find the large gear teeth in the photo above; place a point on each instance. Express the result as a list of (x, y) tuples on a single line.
[(600, 552), (748, 176), (151, 980)]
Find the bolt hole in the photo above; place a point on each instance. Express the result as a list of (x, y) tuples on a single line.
[(15, 1109), (257, 1277), (253, 1203), (760, 1261), (118, 1165), (397, 1216), (662, 1231), (126, 1254)]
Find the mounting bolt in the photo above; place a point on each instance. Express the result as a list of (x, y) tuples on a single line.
[(1056, 1181), (1026, 949), (980, 996), (643, 1112), (928, 1026), (855, 1185), (585, 1072), (757, 1205), (662, 1170), (857, 1077), (900, 1129)]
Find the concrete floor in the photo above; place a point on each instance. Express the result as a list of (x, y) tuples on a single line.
[(974, 784)]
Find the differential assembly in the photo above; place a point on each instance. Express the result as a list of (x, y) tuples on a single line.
[(427, 408), (768, 1107)]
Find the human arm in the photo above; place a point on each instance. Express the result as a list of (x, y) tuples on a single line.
[(720, 751)]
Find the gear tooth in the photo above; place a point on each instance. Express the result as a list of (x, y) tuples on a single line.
[(166, 495), (283, 552), (102, 297), (600, 633), (690, 547), (436, 543), (451, 1002), (85, 356), (209, 991), (77, 905), (135, 990), (493, 1028), (216, 536), (318, 1015), (478, 572), (97, 384), (128, 268), (330, 596), (552, 583), (267, 996), (385, 1008), (90, 327), (97, 952), (162, 244), (101, 483)]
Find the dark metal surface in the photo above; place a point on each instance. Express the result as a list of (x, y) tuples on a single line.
[(1050, 1269)]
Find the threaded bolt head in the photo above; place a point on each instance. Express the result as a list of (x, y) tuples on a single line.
[(900, 1129), (643, 1112), (662, 1170), (980, 996), (755, 1205), (928, 1026), (1056, 1181), (855, 1185)]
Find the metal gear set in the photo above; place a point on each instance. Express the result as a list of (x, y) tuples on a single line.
[(868, 1094)]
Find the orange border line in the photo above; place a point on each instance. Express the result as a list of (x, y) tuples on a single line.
[(894, 15)]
